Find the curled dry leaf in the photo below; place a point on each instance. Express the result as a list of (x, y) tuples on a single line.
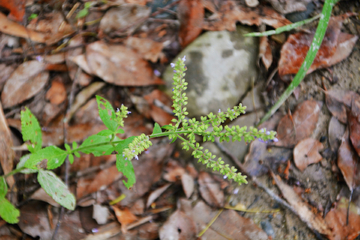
[(125, 18), (210, 190), (314, 221), (191, 16), (337, 100), (149, 49), (335, 133), (178, 226), (354, 124), (125, 217), (336, 219), (57, 93), (155, 194), (302, 124), (188, 184), (306, 152), (348, 162), (117, 64), (229, 13), (265, 53), (27, 80), (335, 47)]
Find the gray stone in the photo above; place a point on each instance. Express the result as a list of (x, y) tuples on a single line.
[(221, 66)]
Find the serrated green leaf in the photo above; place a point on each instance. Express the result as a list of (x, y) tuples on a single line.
[(71, 158), (126, 167), (22, 162), (157, 129), (50, 157), (3, 187), (56, 189), (107, 113), (67, 147), (105, 133), (30, 129), (8, 212), (96, 150)]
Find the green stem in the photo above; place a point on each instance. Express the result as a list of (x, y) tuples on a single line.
[(314, 47), (14, 171)]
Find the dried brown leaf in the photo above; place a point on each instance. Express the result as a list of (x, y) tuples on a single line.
[(125, 217), (27, 80), (178, 226), (302, 124), (289, 6), (337, 100), (210, 190), (188, 184), (354, 124), (335, 133), (149, 49), (57, 93), (306, 152), (265, 53), (155, 194)]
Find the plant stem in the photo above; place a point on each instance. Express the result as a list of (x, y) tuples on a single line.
[(14, 171), (314, 47)]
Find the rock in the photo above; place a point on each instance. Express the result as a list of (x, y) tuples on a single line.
[(221, 66)]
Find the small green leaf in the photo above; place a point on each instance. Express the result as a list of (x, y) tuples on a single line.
[(30, 129), (174, 139), (119, 130), (88, 5), (82, 13), (67, 147), (8, 212), (56, 189), (126, 167), (167, 127), (105, 133), (32, 16), (107, 113), (74, 145), (3, 187), (157, 129), (77, 154), (22, 162), (50, 157), (96, 150), (124, 144), (71, 158)]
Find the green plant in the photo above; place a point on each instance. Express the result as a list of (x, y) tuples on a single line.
[(41, 160)]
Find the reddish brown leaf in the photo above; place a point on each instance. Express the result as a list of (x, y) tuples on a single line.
[(306, 152), (173, 171), (296, 47), (158, 101), (314, 221), (191, 16), (149, 49), (210, 190), (16, 8), (302, 124), (336, 220), (178, 226), (27, 80), (354, 124), (125, 217), (335, 133), (229, 13), (338, 100), (57, 93), (265, 53), (348, 162)]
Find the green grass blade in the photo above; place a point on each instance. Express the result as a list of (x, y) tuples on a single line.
[(314, 47)]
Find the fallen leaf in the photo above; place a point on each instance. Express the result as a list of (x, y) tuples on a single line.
[(12, 28), (301, 126), (306, 152), (296, 47), (158, 101), (336, 220), (5, 72), (188, 184), (149, 49), (155, 194), (228, 223), (27, 80), (124, 216), (178, 226), (335, 133), (191, 17), (210, 190), (41, 195), (16, 8), (57, 93), (289, 6), (348, 162), (117, 64), (6, 153), (337, 100), (265, 53), (354, 124), (229, 13), (125, 19), (303, 210), (173, 171)]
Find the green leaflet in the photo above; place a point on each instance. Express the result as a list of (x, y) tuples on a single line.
[(22, 162), (30, 129), (3, 187), (107, 113), (8, 212), (157, 129), (50, 157), (127, 168), (56, 189), (97, 149)]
